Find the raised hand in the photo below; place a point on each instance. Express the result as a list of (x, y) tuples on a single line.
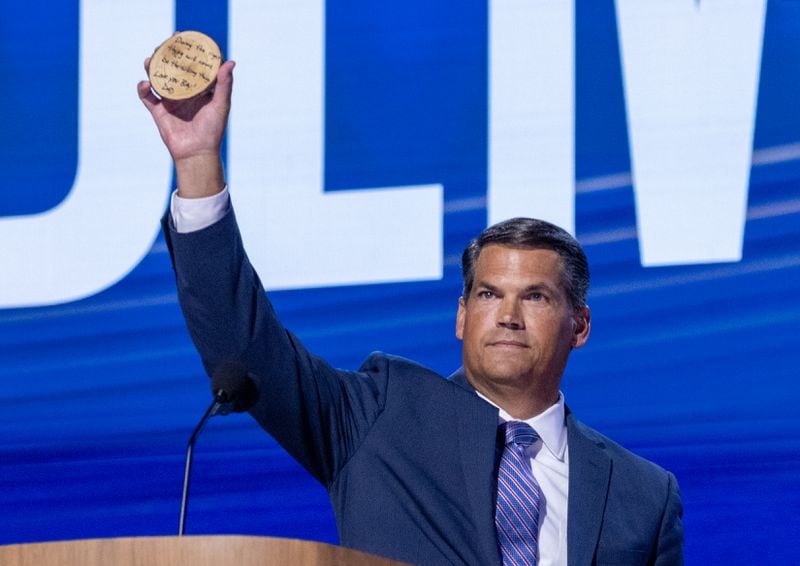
[(192, 130)]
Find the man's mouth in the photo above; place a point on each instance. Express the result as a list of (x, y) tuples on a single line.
[(508, 344)]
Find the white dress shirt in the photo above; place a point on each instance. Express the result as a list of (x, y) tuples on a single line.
[(550, 465)]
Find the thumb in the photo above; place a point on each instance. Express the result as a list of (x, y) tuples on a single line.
[(224, 86)]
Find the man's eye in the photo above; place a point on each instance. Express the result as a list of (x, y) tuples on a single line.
[(485, 294), (535, 297)]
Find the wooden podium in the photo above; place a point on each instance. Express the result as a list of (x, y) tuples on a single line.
[(188, 550)]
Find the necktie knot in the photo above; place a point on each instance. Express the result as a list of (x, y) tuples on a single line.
[(519, 433)]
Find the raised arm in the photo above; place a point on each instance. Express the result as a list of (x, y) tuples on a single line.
[(317, 413)]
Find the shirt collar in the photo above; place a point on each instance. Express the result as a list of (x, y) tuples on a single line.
[(549, 425)]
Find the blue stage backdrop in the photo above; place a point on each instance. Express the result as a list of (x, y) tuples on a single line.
[(664, 134)]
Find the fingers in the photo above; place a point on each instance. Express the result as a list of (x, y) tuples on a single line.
[(147, 65), (146, 95)]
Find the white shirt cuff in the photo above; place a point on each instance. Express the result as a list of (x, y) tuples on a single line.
[(192, 214)]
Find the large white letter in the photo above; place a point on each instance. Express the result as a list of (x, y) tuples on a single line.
[(691, 76), (532, 110), (109, 220), (296, 235)]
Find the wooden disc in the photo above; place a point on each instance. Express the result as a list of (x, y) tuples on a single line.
[(184, 65)]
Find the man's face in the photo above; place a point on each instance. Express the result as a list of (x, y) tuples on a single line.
[(517, 324)]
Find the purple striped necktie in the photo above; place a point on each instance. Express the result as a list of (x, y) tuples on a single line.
[(518, 497)]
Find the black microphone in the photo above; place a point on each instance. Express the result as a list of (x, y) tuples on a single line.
[(234, 391), (233, 388)]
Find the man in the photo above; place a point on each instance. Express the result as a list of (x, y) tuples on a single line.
[(416, 466)]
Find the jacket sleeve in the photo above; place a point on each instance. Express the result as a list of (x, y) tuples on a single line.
[(317, 413), (669, 549)]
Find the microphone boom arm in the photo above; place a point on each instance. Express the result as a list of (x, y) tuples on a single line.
[(216, 405)]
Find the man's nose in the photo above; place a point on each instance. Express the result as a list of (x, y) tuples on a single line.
[(510, 315)]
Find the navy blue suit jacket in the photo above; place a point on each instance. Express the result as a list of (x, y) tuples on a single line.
[(406, 455)]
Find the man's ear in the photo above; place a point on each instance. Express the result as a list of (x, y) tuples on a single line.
[(582, 327), (460, 318)]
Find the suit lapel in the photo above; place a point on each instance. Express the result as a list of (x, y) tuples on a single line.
[(477, 434), (589, 474)]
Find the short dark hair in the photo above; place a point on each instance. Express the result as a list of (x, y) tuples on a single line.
[(529, 233)]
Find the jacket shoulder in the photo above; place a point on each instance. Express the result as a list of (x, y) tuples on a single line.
[(396, 366), (624, 460)]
